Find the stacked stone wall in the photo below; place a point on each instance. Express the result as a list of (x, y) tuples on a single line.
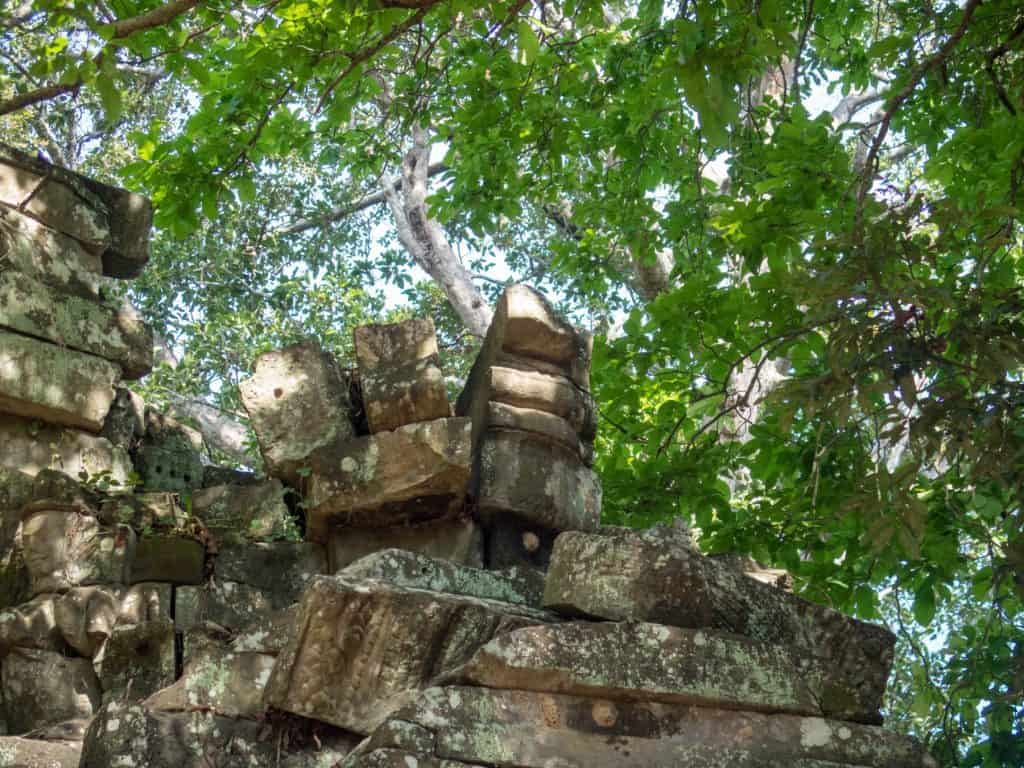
[(410, 582)]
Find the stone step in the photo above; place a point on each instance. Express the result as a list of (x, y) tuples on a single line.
[(31, 308), (58, 385), (525, 729), (623, 575), (657, 663)]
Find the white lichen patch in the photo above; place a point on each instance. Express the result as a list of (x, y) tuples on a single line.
[(814, 732)]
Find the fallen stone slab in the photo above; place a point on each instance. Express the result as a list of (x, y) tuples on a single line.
[(58, 385), (418, 571), (30, 248), (653, 662), (171, 559), (525, 729), (236, 514), (459, 541), (116, 334), (221, 682), (135, 735), (621, 575), (31, 446), (298, 385), (65, 546), (384, 641), (415, 473), (33, 753), (400, 374), (536, 482), (45, 687)]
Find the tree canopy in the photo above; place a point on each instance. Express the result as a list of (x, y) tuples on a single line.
[(793, 225)]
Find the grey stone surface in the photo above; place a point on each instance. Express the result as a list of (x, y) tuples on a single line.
[(235, 514), (415, 473), (39, 380), (16, 752), (297, 401), (44, 254), (283, 567), (459, 540), (45, 687), (137, 660), (116, 334), (223, 682)]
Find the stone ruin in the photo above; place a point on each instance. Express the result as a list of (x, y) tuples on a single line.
[(412, 584)]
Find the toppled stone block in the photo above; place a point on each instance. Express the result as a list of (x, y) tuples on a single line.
[(459, 541), (400, 374), (135, 735), (104, 219), (542, 484), (172, 559), (116, 334), (418, 571), (169, 456), (44, 254), (55, 384), (45, 687), (34, 753), (653, 662), (414, 473), (621, 575), (222, 682), (297, 401), (482, 726), (65, 546), (136, 660), (236, 514), (384, 641), (32, 446)]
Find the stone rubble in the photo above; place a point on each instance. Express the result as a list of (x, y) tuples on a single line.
[(416, 586)]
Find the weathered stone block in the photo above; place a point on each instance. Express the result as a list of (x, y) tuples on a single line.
[(459, 541), (44, 687), (400, 374), (415, 473), (65, 546), (58, 385), (384, 641), (537, 482), (224, 683), (419, 571), (31, 446), (173, 559), (116, 334), (653, 662), (31, 625), (28, 247), (556, 395), (297, 401), (34, 753), (168, 457), (125, 424), (623, 575), (235, 514), (136, 660), (144, 512), (482, 726), (546, 426), (86, 616)]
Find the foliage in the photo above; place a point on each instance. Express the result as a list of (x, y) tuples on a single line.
[(828, 374)]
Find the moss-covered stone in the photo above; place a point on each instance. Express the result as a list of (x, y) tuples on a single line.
[(55, 384), (43, 687), (237, 514), (16, 752)]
